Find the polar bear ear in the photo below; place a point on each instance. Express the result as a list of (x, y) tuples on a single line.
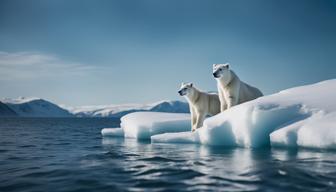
[(227, 65), (188, 84), (214, 65)]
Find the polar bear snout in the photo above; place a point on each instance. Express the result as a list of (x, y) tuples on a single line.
[(216, 75), (182, 92)]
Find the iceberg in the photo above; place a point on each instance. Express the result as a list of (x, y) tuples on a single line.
[(112, 132), (180, 137), (142, 125), (298, 117)]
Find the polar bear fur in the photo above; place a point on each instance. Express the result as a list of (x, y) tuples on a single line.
[(201, 104), (232, 91)]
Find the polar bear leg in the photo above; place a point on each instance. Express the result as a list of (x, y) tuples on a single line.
[(232, 101), (223, 107), (232, 96), (221, 96), (193, 119), (200, 119)]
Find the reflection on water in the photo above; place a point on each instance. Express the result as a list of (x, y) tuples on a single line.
[(232, 169), (71, 155)]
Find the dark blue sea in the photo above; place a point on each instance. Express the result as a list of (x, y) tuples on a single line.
[(42, 154)]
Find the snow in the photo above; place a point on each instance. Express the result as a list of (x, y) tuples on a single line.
[(318, 131), (19, 100), (107, 110), (298, 117), (142, 125)]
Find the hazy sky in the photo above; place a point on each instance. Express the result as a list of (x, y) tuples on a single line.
[(86, 52)]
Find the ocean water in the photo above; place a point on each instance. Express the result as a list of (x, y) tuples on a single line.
[(42, 154)]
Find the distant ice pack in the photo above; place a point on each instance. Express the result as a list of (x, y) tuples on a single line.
[(299, 117)]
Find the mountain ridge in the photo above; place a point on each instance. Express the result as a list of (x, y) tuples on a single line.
[(37, 107), (6, 111)]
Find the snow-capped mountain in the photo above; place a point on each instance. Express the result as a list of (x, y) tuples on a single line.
[(5, 111), (121, 110), (171, 107), (35, 107)]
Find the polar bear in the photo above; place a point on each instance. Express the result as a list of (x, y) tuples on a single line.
[(201, 104), (232, 91)]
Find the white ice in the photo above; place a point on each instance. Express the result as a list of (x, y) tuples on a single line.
[(112, 132), (318, 131), (180, 137), (142, 125), (303, 116)]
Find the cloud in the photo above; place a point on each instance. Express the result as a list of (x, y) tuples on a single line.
[(32, 65)]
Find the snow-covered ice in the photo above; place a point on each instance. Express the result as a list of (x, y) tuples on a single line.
[(318, 131), (179, 137), (302, 116), (142, 125), (298, 117), (112, 132)]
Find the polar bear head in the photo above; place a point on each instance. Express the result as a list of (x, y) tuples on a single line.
[(220, 70), (186, 89)]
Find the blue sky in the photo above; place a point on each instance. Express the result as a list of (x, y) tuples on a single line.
[(86, 52)]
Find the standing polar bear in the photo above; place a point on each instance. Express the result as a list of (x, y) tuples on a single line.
[(232, 91), (201, 104)]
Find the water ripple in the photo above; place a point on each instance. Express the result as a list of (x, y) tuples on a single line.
[(70, 155)]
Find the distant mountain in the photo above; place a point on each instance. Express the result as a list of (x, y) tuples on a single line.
[(171, 107), (121, 110), (36, 107), (5, 111)]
